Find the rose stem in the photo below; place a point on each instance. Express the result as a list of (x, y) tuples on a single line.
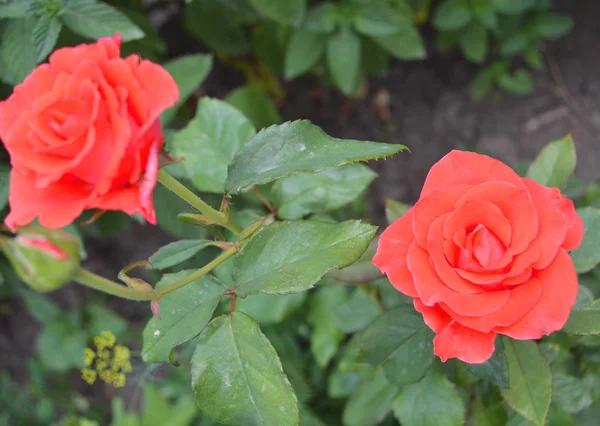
[(97, 282), (192, 199)]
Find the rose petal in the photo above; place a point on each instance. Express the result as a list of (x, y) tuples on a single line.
[(447, 274), (466, 344), (391, 253), (162, 90), (515, 204), (552, 222), (559, 291), (468, 168), (432, 290), (521, 300), (475, 212), (434, 316), (432, 206)]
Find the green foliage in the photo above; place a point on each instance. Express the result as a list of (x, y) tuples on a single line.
[(555, 163), (587, 255)]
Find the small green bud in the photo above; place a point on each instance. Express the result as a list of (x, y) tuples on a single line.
[(45, 259)]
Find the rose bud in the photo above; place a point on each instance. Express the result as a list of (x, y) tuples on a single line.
[(44, 259)]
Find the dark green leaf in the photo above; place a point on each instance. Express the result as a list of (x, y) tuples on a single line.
[(321, 18), (520, 83), (584, 320), (343, 59), (530, 379), (587, 255), (474, 43), (255, 105), (452, 15), (484, 12), (296, 147), (572, 394), (405, 44), (44, 35), (374, 20), (213, 25), (331, 189), (400, 342), (433, 401), (341, 385), (4, 184), (270, 309), (210, 142), (61, 342), (303, 52), (238, 378), (188, 72), (357, 312), (326, 337), (495, 369), (183, 314), (95, 19), (177, 252), (361, 271), (17, 51), (269, 264), (13, 9), (553, 26), (395, 210), (513, 7), (102, 318), (285, 12), (370, 402), (554, 164)]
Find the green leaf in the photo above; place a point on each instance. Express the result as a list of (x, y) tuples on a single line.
[(551, 25), (299, 195), (495, 369), (361, 271), (17, 51), (44, 35), (485, 13), (357, 312), (102, 318), (285, 12), (61, 341), (303, 52), (176, 252), (433, 401), (452, 15), (255, 105), (395, 209), (555, 164), (587, 255), (325, 338), (296, 147), (269, 264), (530, 388), (322, 18), (188, 72), (572, 394), (238, 378), (209, 142), (405, 44), (343, 60), (474, 43), (95, 19), (184, 313), (4, 184), (584, 320), (341, 385), (213, 25), (520, 83), (374, 20), (370, 402), (39, 306), (400, 342), (270, 309), (13, 9), (168, 206), (513, 7)]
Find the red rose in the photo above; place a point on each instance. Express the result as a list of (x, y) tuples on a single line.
[(83, 132), (483, 252)]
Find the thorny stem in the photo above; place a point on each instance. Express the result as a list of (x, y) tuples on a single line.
[(99, 283), (262, 198), (233, 300), (192, 199)]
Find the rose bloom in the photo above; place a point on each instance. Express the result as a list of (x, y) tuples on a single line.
[(83, 132), (484, 252)]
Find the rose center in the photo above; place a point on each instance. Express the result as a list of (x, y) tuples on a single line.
[(484, 248)]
